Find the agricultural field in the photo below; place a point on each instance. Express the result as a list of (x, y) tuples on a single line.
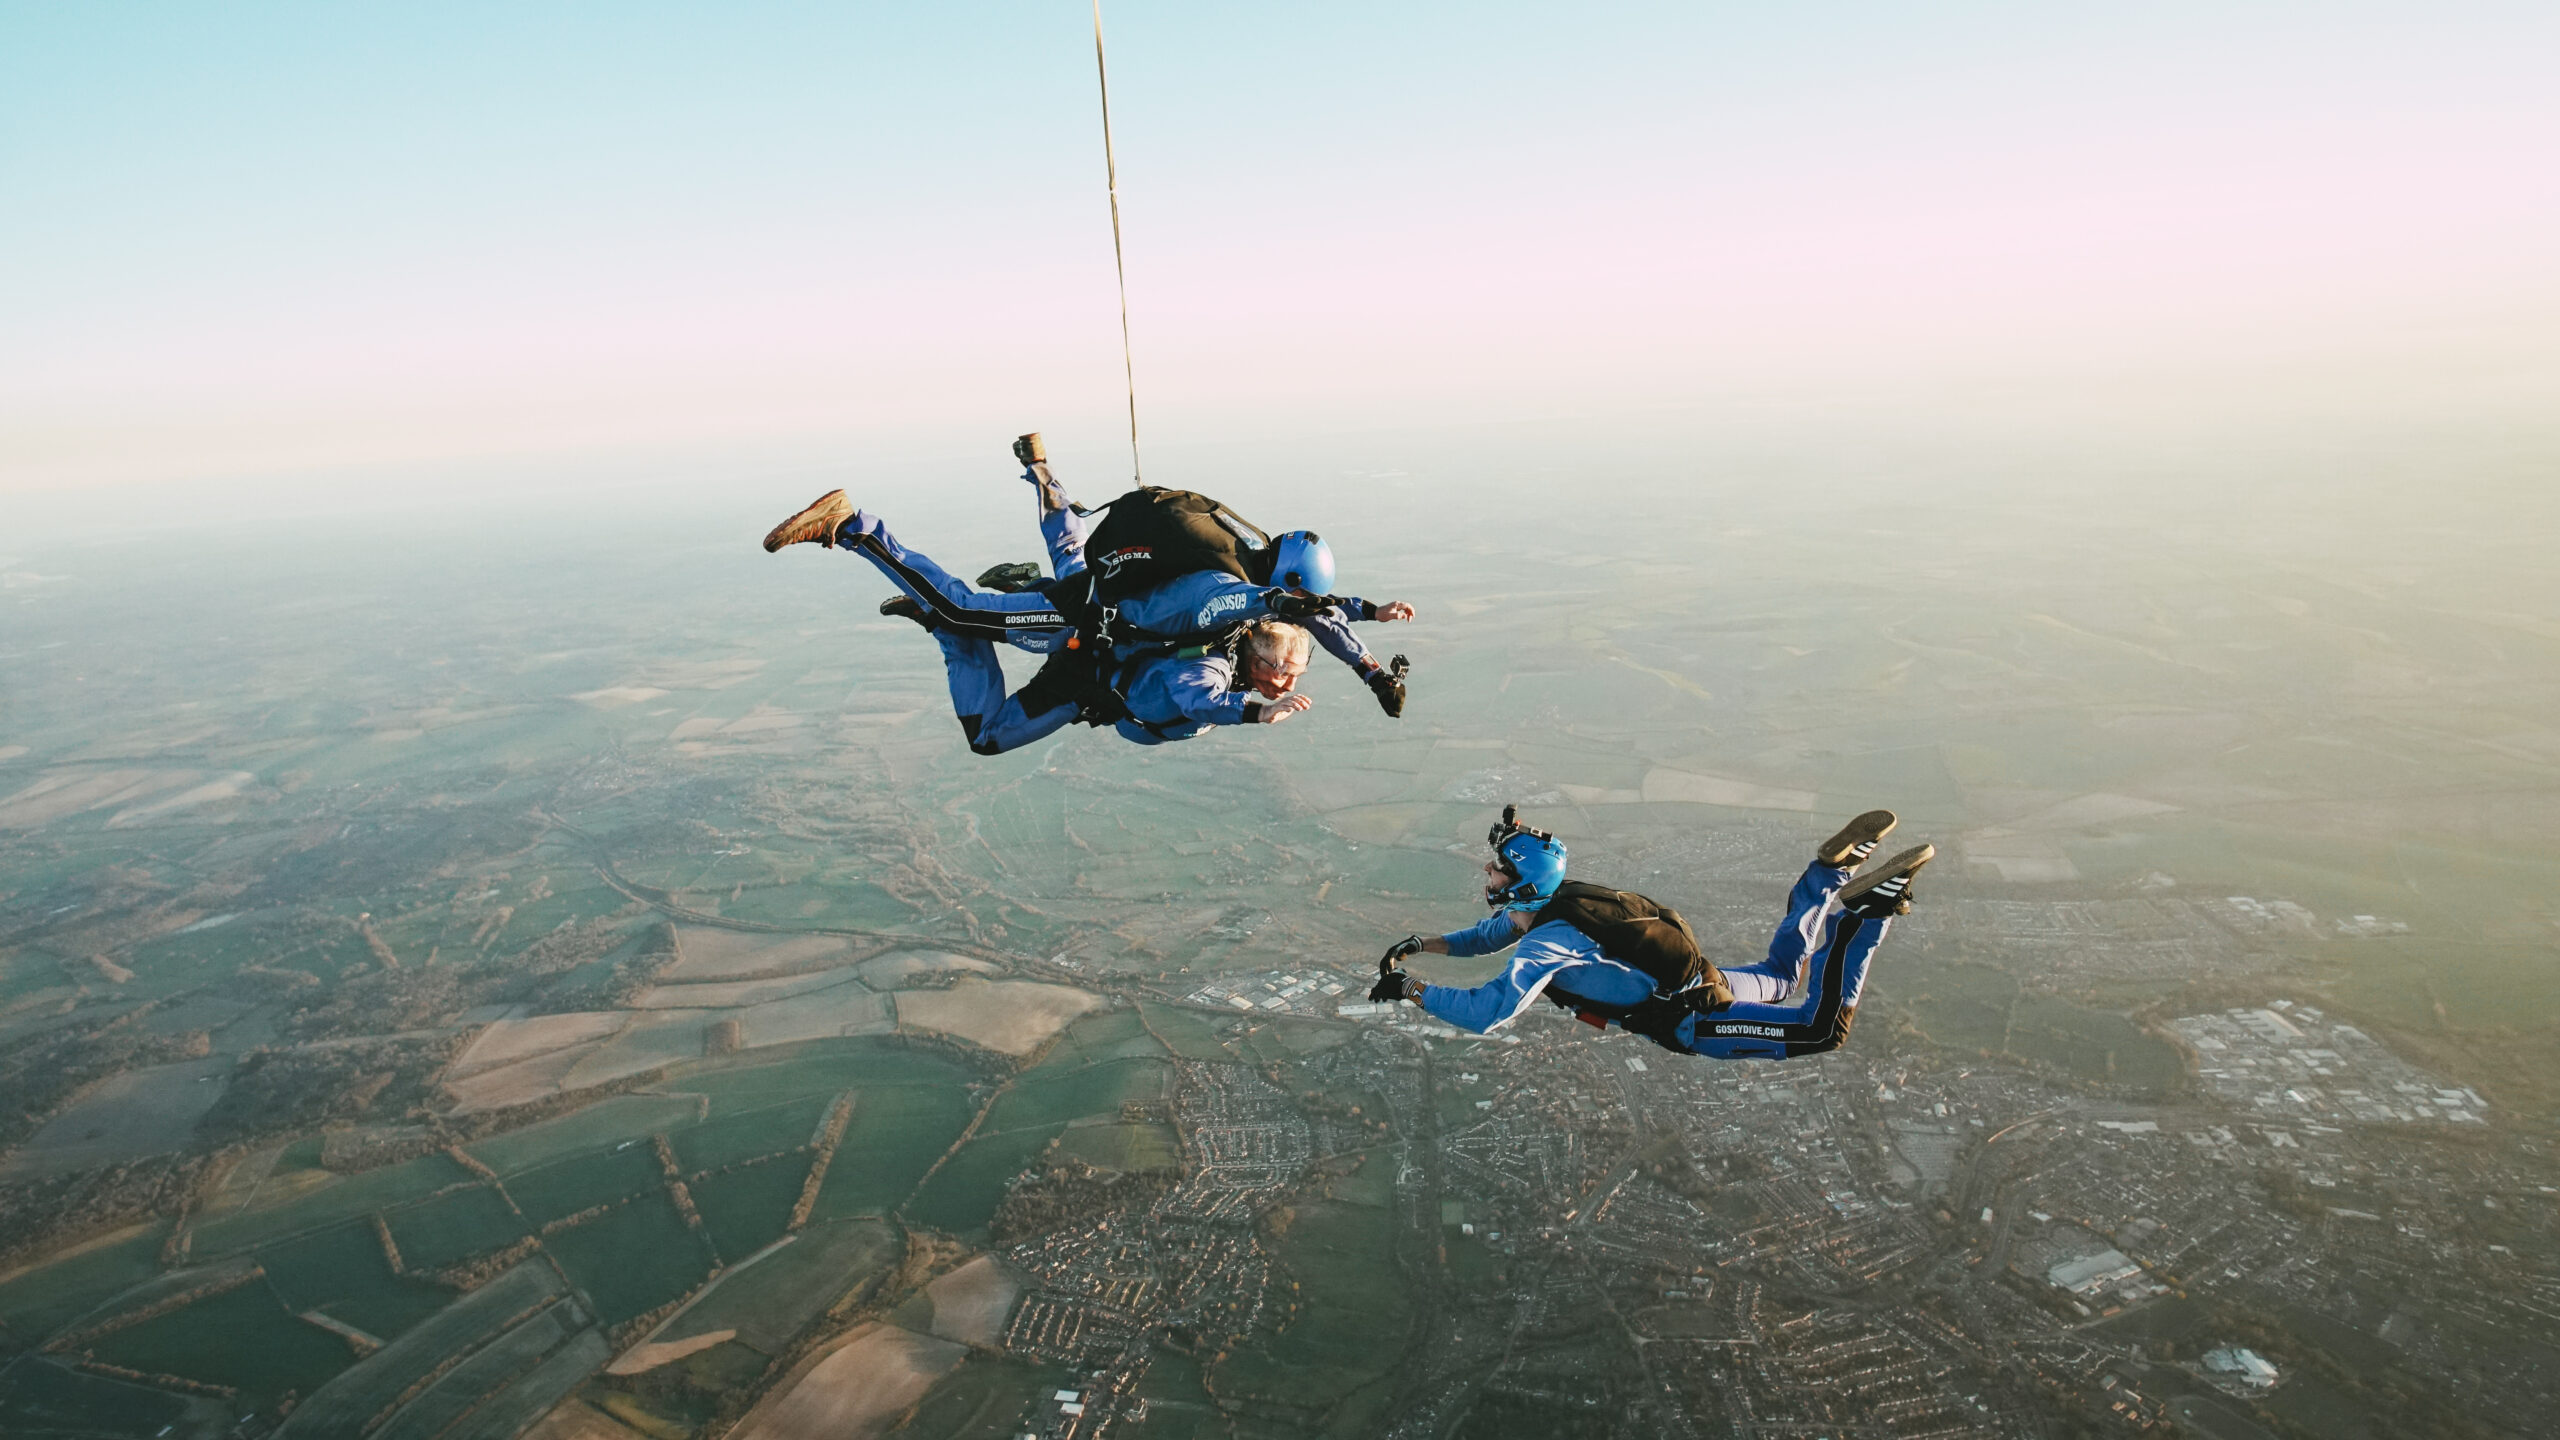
[(632, 1259), (386, 1311), (455, 1226), (324, 1269), (1084, 1077), (138, 1113), (1355, 1314), (582, 1181), (1012, 1017), (43, 1398), (1189, 1034), (748, 1208), (855, 1387), (37, 1301), (317, 1231), (1179, 1406), (971, 1304), (1061, 1090), (598, 1127), (736, 1132), (390, 1375), (335, 1199), (769, 1302), (1122, 1147), (242, 1338), (896, 1136), (984, 1399), (706, 954), (962, 1196)]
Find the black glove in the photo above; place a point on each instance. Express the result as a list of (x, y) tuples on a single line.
[(1290, 605), (1409, 945), (1387, 683), (1395, 985)]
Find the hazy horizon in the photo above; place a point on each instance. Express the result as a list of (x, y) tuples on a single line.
[(487, 952)]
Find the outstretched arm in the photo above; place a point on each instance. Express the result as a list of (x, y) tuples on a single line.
[(1198, 688), (1331, 627), (1551, 954), (1495, 933), (1195, 604), (1492, 935)]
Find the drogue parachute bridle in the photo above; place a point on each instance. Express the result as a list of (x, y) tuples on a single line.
[(1119, 261)]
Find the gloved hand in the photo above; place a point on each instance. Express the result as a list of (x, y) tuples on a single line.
[(1409, 945), (1388, 686), (1290, 605), (1395, 985)]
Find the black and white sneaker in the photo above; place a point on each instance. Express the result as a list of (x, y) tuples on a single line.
[(1886, 890), (1857, 840), (904, 607), (1012, 578)]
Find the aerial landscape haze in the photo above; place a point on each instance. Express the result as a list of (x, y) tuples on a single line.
[(488, 949)]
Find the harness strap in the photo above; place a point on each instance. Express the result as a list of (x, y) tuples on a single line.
[(1105, 701)]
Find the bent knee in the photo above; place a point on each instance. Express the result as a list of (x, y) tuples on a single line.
[(980, 743), (1838, 1037)]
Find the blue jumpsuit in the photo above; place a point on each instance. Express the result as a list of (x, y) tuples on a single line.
[(1184, 608), (1820, 944), (1169, 698)]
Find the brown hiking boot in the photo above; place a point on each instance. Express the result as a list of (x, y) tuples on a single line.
[(1856, 840), (815, 525), (1886, 890)]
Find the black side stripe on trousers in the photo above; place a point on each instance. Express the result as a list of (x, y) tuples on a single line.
[(1830, 1019), (988, 624)]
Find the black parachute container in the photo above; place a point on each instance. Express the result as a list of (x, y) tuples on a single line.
[(1636, 931), (1152, 535)]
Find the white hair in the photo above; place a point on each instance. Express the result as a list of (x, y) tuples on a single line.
[(1277, 642)]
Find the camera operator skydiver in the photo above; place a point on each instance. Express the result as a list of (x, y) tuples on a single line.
[(1642, 970)]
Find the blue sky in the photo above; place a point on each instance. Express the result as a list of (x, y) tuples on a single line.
[(248, 239)]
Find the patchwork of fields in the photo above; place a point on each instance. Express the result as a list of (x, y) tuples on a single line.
[(614, 1214)]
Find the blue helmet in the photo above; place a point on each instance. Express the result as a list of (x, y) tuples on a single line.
[(1532, 858), (1301, 561)]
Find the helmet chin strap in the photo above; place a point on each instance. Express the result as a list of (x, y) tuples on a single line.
[(1510, 897)]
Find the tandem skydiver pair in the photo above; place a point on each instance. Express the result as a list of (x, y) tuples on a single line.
[(1615, 957), (1187, 617)]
